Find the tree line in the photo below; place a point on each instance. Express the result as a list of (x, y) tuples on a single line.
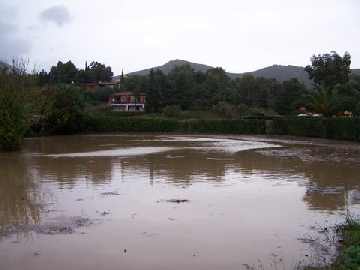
[(61, 107), (67, 73), (335, 90)]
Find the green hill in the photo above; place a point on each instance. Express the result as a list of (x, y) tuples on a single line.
[(283, 73), (169, 66), (278, 72)]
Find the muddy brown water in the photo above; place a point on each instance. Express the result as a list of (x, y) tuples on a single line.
[(174, 202)]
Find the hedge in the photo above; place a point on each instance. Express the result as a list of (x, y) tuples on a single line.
[(331, 128), (109, 123)]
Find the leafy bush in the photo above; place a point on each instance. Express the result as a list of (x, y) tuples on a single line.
[(225, 126), (64, 113), (343, 128), (110, 122), (230, 111), (331, 128), (205, 115), (227, 110), (12, 114), (296, 126), (172, 111), (99, 96)]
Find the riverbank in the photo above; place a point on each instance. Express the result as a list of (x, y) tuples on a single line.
[(109, 121), (328, 128), (349, 252)]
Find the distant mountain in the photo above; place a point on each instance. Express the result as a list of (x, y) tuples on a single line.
[(278, 72), (169, 66), (283, 73)]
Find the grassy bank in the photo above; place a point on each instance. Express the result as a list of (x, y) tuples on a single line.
[(349, 253)]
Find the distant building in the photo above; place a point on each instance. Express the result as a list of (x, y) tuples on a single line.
[(128, 102)]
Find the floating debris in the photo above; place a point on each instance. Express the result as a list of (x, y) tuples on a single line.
[(112, 193), (173, 157), (177, 200), (60, 225), (307, 240), (220, 159)]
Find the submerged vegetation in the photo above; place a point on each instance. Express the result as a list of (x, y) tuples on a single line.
[(349, 253)]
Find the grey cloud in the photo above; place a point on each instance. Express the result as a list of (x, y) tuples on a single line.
[(11, 45), (59, 15)]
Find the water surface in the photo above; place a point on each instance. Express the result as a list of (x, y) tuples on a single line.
[(173, 202)]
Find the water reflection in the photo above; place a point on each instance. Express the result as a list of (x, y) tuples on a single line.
[(70, 171), (230, 194), (20, 200), (327, 183)]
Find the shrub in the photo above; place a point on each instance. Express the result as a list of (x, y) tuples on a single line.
[(343, 128), (331, 128), (64, 113), (99, 96), (172, 111), (226, 110), (12, 114), (225, 126), (111, 122)]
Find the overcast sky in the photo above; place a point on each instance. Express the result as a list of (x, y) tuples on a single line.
[(135, 34)]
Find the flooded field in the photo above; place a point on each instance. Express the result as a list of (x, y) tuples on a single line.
[(174, 202)]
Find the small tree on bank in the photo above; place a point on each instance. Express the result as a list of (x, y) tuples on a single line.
[(12, 113), (64, 110)]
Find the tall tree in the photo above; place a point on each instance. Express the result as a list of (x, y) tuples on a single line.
[(289, 96), (182, 83), (329, 69), (157, 85), (63, 73), (42, 78), (323, 101), (99, 72)]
